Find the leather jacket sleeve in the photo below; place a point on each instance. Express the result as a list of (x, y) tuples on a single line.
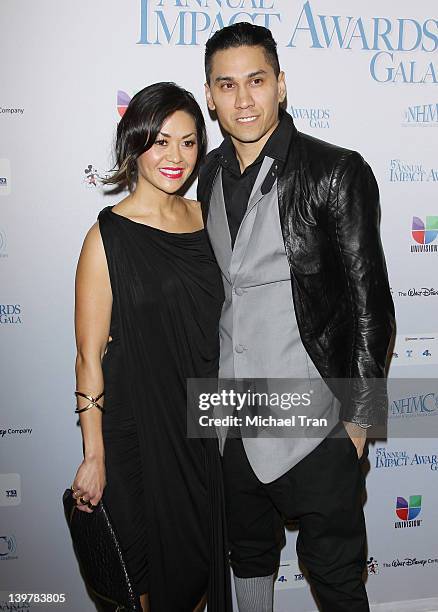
[(356, 213)]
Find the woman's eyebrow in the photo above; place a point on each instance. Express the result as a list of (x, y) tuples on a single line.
[(169, 136)]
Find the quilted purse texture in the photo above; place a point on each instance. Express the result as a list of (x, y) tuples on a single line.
[(99, 555)]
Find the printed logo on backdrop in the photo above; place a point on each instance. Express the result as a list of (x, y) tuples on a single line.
[(10, 489), (410, 562), (420, 405), (123, 99), (92, 177), (8, 111), (424, 233), (3, 253), (290, 576), (12, 431), (421, 115), (407, 511), (416, 292), (193, 22), (404, 172), (372, 566), (10, 314), (415, 350), (388, 459), (5, 177), (312, 117), (8, 547), (386, 40)]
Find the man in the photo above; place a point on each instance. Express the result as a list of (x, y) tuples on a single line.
[(294, 224)]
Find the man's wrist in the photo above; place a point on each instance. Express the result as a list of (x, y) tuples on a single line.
[(361, 425)]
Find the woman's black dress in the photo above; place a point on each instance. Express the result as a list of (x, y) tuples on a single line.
[(163, 491)]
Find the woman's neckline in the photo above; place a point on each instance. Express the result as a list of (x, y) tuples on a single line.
[(152, 227)]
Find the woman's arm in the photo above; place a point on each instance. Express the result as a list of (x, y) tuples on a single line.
[(93, 305)]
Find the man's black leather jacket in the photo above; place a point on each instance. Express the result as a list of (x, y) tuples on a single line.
[(329, 213)]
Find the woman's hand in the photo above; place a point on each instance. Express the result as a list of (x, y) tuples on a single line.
[(89, 483)]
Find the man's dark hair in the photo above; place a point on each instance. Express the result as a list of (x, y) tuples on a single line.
[(242, 34), (141, 123)]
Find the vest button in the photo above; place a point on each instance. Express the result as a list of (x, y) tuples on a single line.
[(239, 348), (239, 291)]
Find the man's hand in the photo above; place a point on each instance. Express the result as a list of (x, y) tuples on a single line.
[(358, 436)]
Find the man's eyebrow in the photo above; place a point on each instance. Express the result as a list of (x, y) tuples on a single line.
[(169, 136), (251, 75), (223, 78)]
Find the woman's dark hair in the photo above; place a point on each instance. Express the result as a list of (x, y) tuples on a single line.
[(140, 125), (242, 34)]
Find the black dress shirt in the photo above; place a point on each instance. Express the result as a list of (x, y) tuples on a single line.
[(237, 185)]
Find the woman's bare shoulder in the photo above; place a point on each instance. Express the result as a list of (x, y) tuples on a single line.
[(92, 246)]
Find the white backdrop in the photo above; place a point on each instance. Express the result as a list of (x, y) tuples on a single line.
[(363, 75)]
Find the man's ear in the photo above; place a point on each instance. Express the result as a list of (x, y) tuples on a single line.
[(281, 87), (209, 98)]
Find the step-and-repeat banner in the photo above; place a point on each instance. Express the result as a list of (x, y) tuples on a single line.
[(363, 75)]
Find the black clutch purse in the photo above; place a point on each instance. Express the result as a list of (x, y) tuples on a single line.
[(99, 555)]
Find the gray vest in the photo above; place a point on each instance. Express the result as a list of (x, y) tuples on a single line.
[(259, 336)]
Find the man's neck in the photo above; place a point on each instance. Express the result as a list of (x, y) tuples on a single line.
[(247, 152)]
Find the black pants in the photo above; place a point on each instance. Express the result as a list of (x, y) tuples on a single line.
[(324, 492)]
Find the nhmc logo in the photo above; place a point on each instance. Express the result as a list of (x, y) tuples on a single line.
[(414, 405), (424, 115)]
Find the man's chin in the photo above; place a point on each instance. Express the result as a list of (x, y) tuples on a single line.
[(247, 138)]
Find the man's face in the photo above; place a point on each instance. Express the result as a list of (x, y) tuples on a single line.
[(244, 92)]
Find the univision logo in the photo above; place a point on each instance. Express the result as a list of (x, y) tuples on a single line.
[(123, 99), (424, 233), (408, 511)]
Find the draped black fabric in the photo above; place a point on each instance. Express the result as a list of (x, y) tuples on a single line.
[(164, 491)]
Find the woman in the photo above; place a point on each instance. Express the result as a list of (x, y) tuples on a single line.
[(148, 301)]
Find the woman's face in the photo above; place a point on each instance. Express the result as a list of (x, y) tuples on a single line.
[(171, 159)]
